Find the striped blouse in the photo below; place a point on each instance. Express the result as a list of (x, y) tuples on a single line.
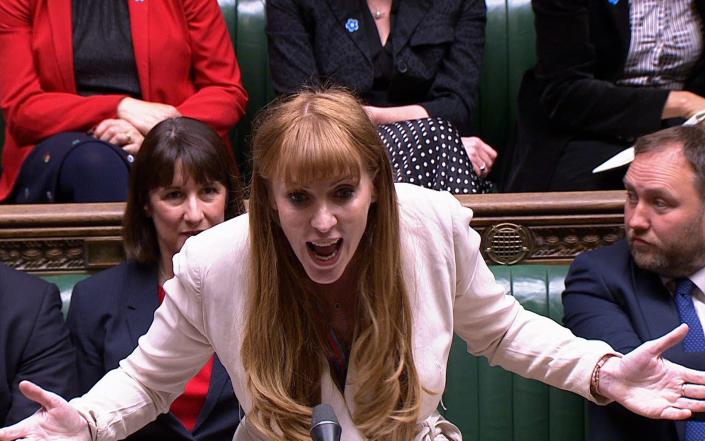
[(666, 43)]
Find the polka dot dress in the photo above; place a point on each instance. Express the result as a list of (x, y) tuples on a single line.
[(428, 152)]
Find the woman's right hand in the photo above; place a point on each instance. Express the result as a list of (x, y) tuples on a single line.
[(119, 132), (143, 114), (55, 421), (481, 155)]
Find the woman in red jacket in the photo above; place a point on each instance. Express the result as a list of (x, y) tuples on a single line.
[(84, 81)]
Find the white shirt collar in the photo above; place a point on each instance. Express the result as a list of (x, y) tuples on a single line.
[(699, 279)]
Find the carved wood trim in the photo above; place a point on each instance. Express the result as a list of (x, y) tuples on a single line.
[(554, 227)]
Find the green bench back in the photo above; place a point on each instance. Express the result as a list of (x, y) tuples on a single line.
[(65, 283), (509, 52), (490, 404)]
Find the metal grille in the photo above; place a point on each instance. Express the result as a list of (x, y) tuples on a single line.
[(507, 243)]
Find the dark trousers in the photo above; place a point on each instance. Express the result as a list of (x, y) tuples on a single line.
[(574, 168), (73, 167)]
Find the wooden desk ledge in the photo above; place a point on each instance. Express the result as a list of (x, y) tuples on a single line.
[(526, 228)]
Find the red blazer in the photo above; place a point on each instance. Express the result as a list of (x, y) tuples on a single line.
[(184, 57)]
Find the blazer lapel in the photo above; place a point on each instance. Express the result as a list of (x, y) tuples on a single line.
[(139, 25), (345, 12), (219, 379), (142, 301), (660, 315), (659, 311), (409, 14), (61, 20)]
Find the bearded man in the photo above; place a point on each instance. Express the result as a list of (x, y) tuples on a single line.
[(642, 287)]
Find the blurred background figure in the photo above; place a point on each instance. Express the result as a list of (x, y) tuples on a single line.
[(76, 113), (415, 64), (607, 72), (182, 182)]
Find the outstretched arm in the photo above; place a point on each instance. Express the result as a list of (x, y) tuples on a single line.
[(497, 327)]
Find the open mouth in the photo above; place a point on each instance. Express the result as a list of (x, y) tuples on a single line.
[(324, 250)]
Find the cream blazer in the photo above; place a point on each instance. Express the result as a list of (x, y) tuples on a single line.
[(451, 290)]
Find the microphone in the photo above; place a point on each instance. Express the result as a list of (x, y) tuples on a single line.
[(324, 426)]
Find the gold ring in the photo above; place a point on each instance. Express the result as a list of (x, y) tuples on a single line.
[(128, 138), (683, 390), (483, 167)]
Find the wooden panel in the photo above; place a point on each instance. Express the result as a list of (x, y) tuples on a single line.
[(526, 228), (545, 227), (59, 238)]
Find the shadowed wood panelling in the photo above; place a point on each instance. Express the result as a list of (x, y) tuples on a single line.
[(545, 227), (526, 228), (55, 238)]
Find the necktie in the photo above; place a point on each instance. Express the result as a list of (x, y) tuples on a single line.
[(693, 342)]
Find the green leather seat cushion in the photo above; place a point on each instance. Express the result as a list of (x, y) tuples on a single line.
[(490, 404)]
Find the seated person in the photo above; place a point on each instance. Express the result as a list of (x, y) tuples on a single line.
[(607, 72), (76, 113), (640, 288), (34, 343), (416, 66), (181, 184)]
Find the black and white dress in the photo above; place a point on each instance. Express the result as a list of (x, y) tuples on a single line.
[(429, 152)]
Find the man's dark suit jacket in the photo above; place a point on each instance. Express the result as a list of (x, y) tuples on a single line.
[(437, 45), (607, 297), (34, 343), (582, 47), (108, 314)]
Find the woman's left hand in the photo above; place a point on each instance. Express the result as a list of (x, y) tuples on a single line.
[(481, 155), (649, 385), (119, 132), (145, 114)]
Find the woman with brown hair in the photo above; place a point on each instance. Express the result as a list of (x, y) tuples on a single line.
[(182, 183), (343, 288)]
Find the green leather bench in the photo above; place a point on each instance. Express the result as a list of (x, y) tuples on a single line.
[(490, 404)]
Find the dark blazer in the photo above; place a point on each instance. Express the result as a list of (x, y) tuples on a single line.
[(34, 343), (607, 297), (582, 46), (109, 312), (437, 46)]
